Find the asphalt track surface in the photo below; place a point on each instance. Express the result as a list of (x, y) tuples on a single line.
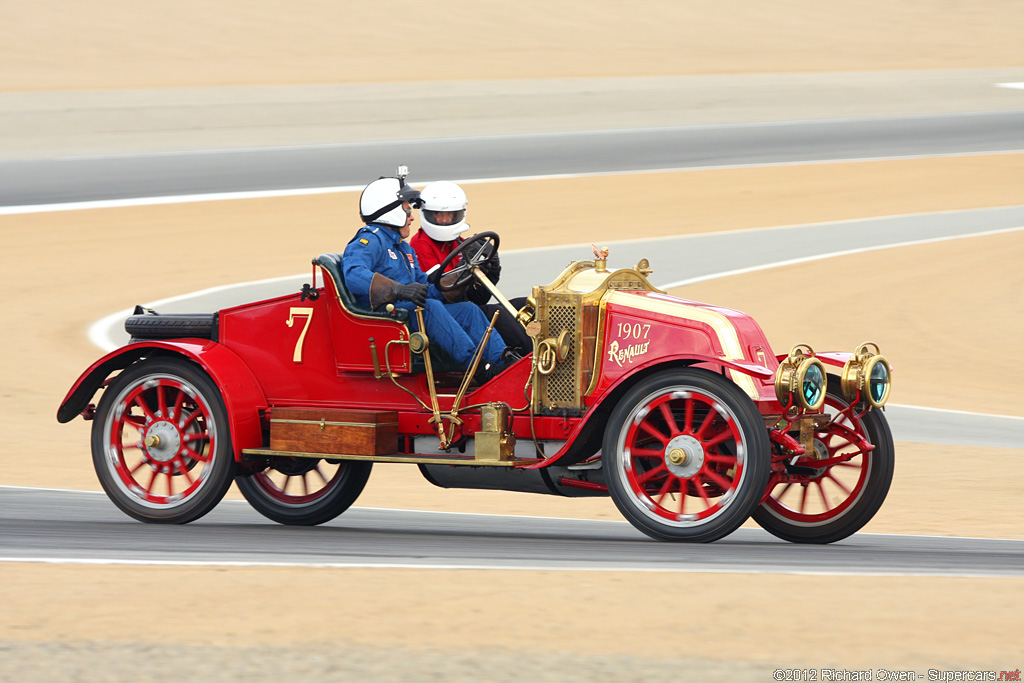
[(185, 173), (61, 526), (64, 526)]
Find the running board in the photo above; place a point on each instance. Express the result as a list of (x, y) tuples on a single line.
[(423, 458)]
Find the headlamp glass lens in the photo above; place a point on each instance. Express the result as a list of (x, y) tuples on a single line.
[(879, 381), (814, 382)]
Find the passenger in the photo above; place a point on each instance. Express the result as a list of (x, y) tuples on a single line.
[(380, 268), (442, 219)]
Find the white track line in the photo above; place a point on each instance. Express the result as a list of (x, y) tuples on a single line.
[(173, 199), (835, 254), (264, 194), (955, 412), (99, 332), (710, 569), (773, 228)]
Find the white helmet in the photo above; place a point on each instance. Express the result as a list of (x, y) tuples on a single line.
[(381, 201), (443, 197)]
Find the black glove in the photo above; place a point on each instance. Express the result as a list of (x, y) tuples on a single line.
[(478, 294), (415, 292), (492, 269)]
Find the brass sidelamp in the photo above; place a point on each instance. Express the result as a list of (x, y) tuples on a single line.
[(867, 376), (801, 377)]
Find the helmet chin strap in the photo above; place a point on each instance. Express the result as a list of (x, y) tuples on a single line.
[(369, 218)]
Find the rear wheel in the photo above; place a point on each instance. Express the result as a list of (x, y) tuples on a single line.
[(815, 504), (305, 491), (687, 456), (160, 442)]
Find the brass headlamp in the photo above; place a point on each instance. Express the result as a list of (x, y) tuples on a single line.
[(802, 376), (867, 375)]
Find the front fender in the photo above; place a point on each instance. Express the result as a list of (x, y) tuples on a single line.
[(745, 373), (599, 409), (242, 394), (835, 358)]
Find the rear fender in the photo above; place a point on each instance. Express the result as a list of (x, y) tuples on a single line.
[(242, 394)]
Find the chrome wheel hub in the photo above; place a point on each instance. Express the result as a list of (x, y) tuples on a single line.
[(162, 441), (820, 453), (684, 456)]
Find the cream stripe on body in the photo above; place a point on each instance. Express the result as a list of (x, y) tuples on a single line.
[(727, 335)]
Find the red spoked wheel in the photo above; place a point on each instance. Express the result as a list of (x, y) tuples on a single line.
[(687, 456), (828, 495), (305, 491), (161, 444)]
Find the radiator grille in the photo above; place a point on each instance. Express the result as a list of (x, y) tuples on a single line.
[(562, 387)]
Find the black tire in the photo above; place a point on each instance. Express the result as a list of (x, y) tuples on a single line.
[(174, 326), (161, 442), (705, 458), (853, 508), (337, 493)]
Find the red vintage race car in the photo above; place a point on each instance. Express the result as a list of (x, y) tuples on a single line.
[(679, 410)]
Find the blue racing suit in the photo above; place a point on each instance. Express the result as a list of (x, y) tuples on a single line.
[(455, 327)]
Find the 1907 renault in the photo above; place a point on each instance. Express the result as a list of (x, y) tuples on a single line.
[(679, 410)]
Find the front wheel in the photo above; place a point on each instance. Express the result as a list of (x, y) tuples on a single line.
[(160, 442), (815, 504), (688, 456), (305, 491)]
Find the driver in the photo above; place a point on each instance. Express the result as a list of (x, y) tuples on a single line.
[(380, 268), (443, 219)]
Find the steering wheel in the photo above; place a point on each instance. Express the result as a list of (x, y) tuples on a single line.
[(475, 251)]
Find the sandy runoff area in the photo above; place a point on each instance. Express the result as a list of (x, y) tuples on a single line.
[(124, 44)]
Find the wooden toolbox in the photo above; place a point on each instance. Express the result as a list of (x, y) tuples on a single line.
[(323, 430)]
